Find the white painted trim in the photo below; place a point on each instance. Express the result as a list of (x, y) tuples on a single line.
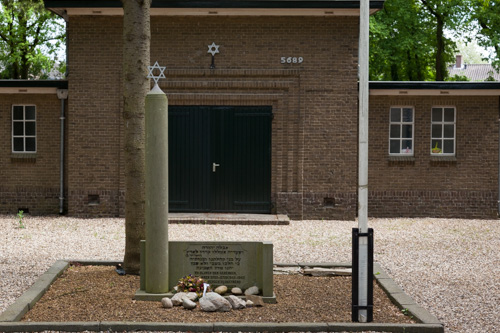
[(401, 123), (32, 90), (24, 136), (442, 123), (434, 92), (222, 11)]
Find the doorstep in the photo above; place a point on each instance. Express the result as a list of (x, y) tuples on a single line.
[(228, 218)]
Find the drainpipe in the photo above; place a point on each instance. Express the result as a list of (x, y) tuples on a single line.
[(62, 94), (498, 193)]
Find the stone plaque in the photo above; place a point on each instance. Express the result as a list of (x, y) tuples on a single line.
[(233, 264), (219, 264)]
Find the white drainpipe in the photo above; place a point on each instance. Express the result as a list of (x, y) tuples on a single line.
[(62, 94)]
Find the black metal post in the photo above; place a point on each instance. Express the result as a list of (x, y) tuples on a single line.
[(212, 66), (355, 275)]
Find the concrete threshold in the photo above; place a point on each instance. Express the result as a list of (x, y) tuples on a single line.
[(228, 218), (10, 318)]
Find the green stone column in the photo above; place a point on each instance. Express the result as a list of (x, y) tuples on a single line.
[(156, 191)]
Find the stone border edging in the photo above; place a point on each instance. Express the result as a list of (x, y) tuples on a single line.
[(10, 318), (27, 300)]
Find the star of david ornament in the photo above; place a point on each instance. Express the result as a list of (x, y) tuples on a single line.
[(153, 76), (213, 49)]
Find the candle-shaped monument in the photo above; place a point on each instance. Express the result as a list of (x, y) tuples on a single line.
[(156, 255)]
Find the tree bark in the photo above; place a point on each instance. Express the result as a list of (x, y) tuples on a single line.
[(440, 64), (136, 48), (441, 71)]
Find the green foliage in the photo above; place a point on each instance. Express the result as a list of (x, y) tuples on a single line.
[(486, 13), (191, 283), (470, 51), (457, 77), (30, 36), (20, 216), (407, 40), (490, 77), (400, 43)]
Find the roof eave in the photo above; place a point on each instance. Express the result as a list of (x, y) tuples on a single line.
[(32, 86), (249, 4), (434, 88)]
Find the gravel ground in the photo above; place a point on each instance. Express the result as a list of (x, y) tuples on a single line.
[(449, 266)]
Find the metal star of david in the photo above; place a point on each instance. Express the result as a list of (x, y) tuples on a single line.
[(213, 49), (156, 78)]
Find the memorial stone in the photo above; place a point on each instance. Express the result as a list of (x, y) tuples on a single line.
[(232, 264)]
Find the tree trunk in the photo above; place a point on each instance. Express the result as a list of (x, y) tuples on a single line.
[(394, 72), (441, 72), (136, 45), (409, 70)]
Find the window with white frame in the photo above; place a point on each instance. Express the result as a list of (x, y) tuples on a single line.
[(443, 132), (401, 131), (23, 129)]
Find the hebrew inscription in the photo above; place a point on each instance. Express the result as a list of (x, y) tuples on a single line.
[(219, 264)]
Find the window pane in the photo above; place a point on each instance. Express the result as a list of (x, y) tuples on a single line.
[(395, 114), (406, 145), (449, 114), (18, 113), (30, 144), (18, 144), (407, 131), (395, 131), (437, 131), (18, 128), (30, 112), (394, 147), (408, 115), (448, 147), (437, 146), (30, 128), (449, 131), (437, 114)]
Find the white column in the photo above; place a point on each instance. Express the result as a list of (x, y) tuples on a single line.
[(364, 26)]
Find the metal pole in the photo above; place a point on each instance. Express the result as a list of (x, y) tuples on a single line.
[(62, 94), (363, 157), (498, 193), (156, 191)]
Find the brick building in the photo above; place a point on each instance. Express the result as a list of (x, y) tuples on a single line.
[(271, 129)]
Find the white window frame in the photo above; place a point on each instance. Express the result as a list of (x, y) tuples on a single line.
[(402, 151), (24, 136), (443, 123)]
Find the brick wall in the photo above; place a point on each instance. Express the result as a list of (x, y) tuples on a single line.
[(314, 103), (314, 130), (31, 182), (94, 117), (466, 187)]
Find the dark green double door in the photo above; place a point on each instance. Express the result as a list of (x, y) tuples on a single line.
[(220, 159)]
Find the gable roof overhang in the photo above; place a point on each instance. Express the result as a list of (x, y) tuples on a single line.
[(65, 8), (32, 86), (434, 88)]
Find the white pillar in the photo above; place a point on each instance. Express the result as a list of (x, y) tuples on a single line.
[(364, 26)]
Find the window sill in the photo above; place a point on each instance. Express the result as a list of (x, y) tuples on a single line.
[(401, 158), (23, 157), (435, 158)]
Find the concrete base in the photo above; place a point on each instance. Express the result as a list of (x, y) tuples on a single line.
[(141, 295)]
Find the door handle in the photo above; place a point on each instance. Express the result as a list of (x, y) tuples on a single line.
[(214, 166)]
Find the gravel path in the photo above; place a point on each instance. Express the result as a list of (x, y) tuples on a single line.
[(450, 267)]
